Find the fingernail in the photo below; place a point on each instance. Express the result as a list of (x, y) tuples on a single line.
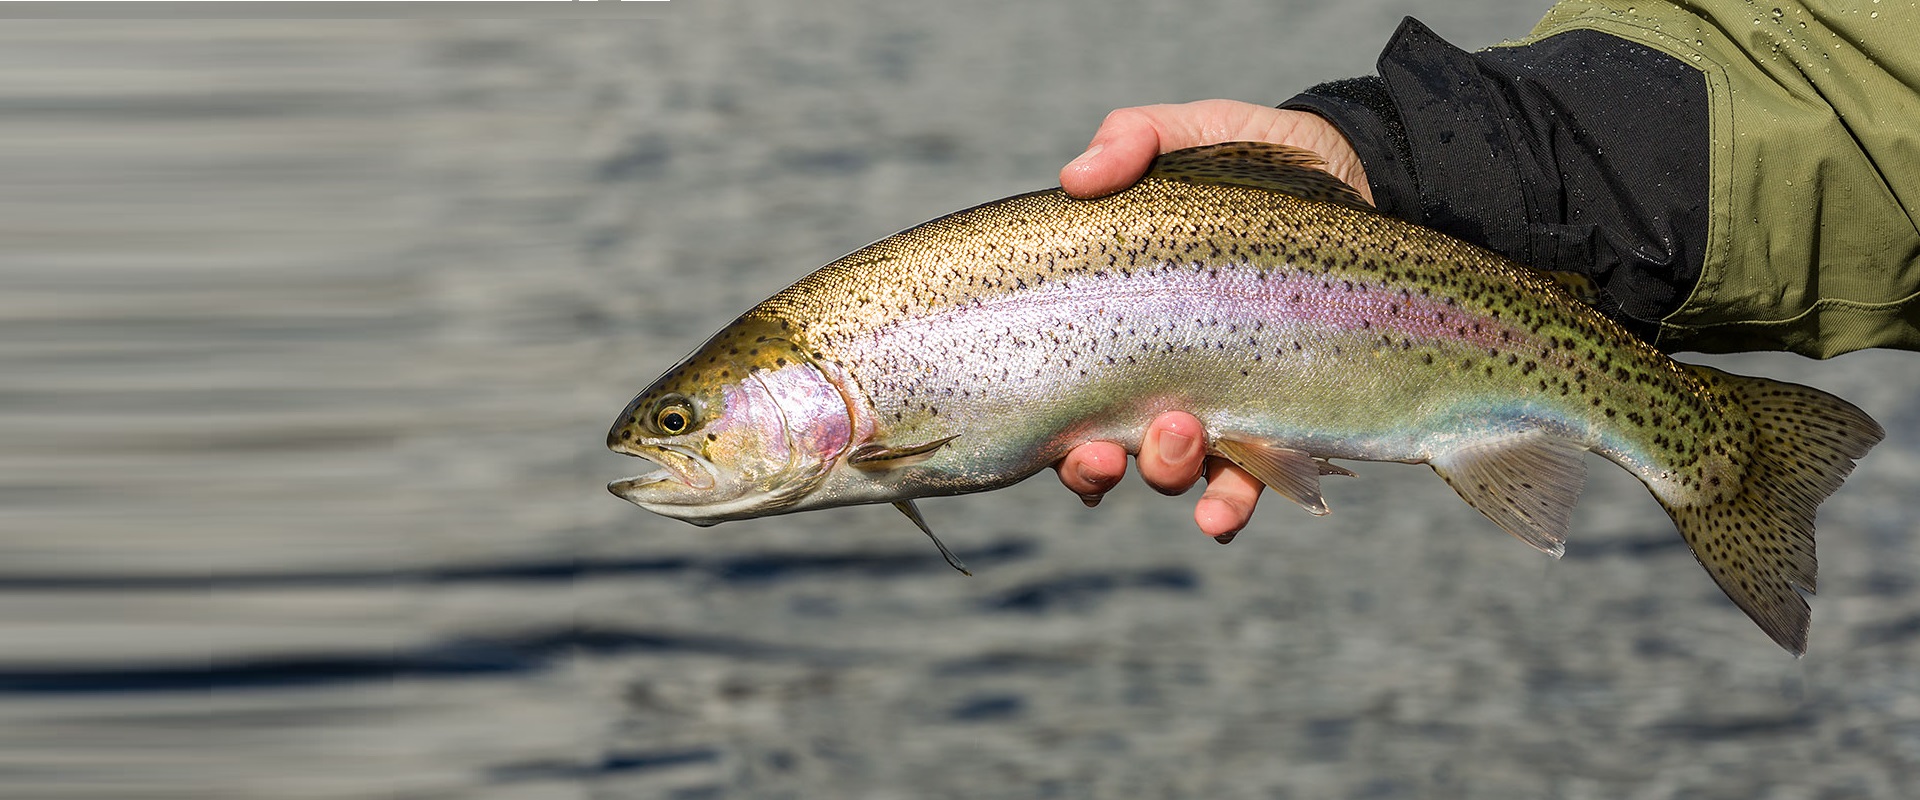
[(1176, 448), (1092, 500), (1086, 156), (1226, 538)]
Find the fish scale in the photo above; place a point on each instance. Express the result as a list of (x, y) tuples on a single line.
[(1237, 283)]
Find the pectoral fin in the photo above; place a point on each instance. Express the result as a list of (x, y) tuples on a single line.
[(913, 513), (1293, 473), (874, 454), (1526, 483)]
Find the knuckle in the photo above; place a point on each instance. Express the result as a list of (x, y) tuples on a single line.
[(1128, 116)]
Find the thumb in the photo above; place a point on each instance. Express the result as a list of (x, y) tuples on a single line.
[(1119, 154), (1129, 138)]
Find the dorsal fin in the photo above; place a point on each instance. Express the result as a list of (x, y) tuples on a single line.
[(1274, 167), (1582, 287)]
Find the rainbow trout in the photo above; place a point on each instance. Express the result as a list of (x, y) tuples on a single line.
[(1241, 284)]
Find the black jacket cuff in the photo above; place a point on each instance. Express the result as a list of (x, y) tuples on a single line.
[(1364, 113), (1581, 152)]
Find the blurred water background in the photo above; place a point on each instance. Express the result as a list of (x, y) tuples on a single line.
[(313, 330)]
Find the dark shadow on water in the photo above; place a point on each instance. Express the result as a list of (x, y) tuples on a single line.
[(751, 568), (1076, 591), (471, 656), (1887, 633), (519, 652), (1006, 663), (610, 763), (1740, 727), (989, 708), (758, 569), (1651, 545)]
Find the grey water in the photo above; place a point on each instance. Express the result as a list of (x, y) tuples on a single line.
[(313, 330)]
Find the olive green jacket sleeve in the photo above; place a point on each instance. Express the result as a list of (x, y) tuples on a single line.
[(1813, 235)]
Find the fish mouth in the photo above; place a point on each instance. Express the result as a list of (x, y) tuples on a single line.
[(677, 470), (631, 488), (680, 489)]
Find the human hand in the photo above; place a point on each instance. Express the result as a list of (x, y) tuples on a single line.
[(1130, 138), (1173, 451)]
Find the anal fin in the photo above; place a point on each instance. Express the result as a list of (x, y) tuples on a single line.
[(1294, 474), (1527, 483)]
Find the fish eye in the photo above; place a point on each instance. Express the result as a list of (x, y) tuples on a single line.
[(673, 417)]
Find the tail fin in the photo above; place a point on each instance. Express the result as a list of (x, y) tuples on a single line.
[(1756, 539)]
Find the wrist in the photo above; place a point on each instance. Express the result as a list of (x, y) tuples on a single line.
[(1313, 132)]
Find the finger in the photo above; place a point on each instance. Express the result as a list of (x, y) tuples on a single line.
[(1228, 503), (1119, 154), (1129, 138), (1172, 452), (1092, 469)]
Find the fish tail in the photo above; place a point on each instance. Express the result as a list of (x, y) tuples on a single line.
[(1756, 538)]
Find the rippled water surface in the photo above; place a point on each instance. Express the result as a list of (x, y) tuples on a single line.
[(313, 332)]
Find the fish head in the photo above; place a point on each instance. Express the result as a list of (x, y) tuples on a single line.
[(745, 427)]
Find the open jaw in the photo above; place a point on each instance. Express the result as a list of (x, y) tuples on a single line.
[(628, 487), (679, 474), (686, 488)]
